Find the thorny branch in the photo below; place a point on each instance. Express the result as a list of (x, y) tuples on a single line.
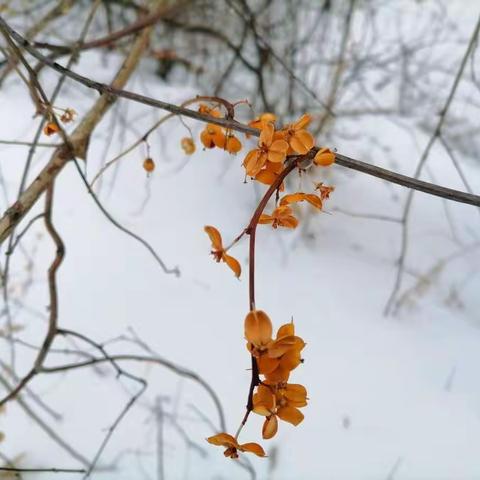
[(291, 164)]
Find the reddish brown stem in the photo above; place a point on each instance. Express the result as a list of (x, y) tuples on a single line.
[(230, 108), (251, 230), (252, 227)]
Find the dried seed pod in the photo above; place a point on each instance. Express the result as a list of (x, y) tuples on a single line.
[(188, 145)]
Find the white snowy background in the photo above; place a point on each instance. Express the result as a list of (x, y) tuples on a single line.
[(390, 397)]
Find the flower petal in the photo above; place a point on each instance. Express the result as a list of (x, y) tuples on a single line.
[(266, 177), (286, 330), (258, 327), (279, 375), (223, 439), (290, 414), (262, 120), (279, 146), (254, 162), (266, 135), (264, 396), (277, 157), (253, 448), (270, 427), (262, 410), (215, 237), (288, 222), (264, 218), (314, 200), (291, 359), (267, 364), (282, 345), (302, 141), (302, 122), (296, 395), (292, 198), (233, 263), (273, 167)]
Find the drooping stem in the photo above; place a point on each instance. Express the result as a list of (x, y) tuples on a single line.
[(251, 230)]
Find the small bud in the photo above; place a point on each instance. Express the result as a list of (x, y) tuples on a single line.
[(324, 157)]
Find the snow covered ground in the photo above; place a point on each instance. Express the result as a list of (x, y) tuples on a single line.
[(390, 397)]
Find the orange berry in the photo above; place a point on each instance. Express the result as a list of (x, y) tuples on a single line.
[(212, 136), (149, 165), (233, 144)]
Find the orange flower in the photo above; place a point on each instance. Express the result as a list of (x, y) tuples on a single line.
[(280, 401), (324, 157), (286, 359), (312, 199), (50, 128), (258, 329), (219, 253), (269, 174), (188, 145), (268, 149), (261, 121), (325, 190), (232, 445), (299, 139), (281, 217), (212, 136), (286, 363), (270, 353)]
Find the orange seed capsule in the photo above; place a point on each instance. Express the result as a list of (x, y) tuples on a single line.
[(149, 165), (50, 128), (233, 144), (188, 145)]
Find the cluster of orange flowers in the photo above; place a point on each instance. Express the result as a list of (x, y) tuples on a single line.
[(215, 136), (275, 359), (264, 164), (274, 397)]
